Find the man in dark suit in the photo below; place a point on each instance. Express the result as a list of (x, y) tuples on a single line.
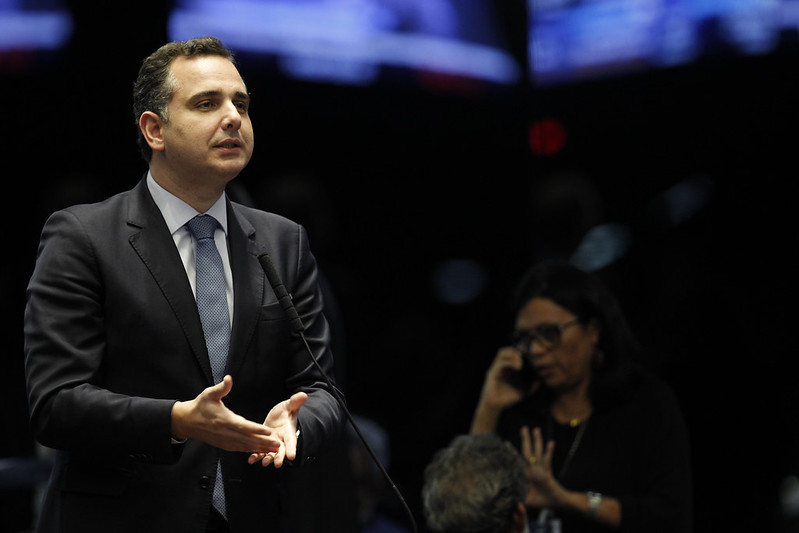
[(118, 372)]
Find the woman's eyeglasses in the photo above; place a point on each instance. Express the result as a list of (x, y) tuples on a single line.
[(548, 336)]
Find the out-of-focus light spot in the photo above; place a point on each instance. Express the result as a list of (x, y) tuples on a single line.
[(347, 42), (789, 496), (680, 202), (458, 281), (547, 136), (602, 246), (30, 30), (570, 41)]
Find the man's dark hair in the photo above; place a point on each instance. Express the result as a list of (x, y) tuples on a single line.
[(154, 85)]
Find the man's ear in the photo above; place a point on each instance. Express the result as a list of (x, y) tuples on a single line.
[(151, 127)]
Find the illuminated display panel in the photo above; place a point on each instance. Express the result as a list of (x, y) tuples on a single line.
[(356, 42), (32, 31), (579, 40)]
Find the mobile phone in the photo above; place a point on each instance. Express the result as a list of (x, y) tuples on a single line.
[(523, 379)]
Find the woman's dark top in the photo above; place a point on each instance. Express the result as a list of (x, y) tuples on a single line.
[(635, 448)]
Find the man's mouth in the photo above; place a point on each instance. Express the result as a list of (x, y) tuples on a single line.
[(232, 143)]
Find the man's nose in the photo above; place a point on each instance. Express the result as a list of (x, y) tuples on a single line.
[(232, 117)]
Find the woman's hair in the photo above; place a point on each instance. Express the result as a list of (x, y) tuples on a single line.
[(474, 485), (586, 296), (154, 85)]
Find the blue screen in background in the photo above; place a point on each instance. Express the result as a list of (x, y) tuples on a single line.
[(590, 39), (30, 29), (356, 42)]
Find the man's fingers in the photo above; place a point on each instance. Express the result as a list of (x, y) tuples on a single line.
[(279, 456), (257, 444), (291, 451), (255, 457), (257, 436), (266, 459), (244, 426)]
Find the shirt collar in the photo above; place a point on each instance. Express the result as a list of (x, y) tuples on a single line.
[(176, 212)]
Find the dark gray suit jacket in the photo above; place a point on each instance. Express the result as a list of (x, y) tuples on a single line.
[(113, 338)]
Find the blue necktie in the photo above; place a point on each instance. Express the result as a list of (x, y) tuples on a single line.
[(211, 295), (213, 308)]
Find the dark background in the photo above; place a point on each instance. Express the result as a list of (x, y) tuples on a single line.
[(402, 177)]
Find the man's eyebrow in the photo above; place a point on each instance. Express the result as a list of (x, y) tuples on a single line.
[(205, 94), (239, 95)]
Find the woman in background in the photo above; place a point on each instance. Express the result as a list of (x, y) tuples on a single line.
[(604, 439)]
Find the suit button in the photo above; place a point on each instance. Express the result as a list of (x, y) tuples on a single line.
[(205, 482)]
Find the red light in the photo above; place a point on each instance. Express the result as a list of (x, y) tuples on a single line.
[(547, 136)]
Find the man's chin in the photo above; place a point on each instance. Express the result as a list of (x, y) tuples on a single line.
[(231, 169)]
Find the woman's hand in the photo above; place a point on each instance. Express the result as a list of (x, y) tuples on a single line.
[(498, 392), (545, 491)]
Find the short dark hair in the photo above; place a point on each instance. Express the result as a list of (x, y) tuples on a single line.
[(154, 86), (474, 485)]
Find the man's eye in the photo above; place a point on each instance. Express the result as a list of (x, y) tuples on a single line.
[(242, 106)]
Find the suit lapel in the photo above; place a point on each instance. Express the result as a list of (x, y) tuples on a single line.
[(154, 245), (248, 286)]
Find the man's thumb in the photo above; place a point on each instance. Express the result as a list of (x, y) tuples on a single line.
[(223, 388)]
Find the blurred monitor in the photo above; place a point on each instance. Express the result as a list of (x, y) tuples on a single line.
[(32, 31), (578, 40), (357, 42)]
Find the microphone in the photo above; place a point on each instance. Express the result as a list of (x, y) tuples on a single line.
[(284, 298)]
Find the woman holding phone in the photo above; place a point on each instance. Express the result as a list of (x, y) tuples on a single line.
[(604, 439)]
